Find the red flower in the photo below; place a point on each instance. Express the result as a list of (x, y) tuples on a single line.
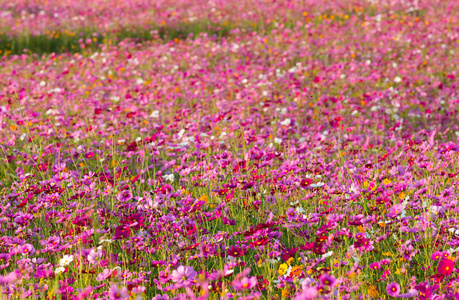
[(305, 182), (259, 242), (235, 251), (122, 232), (289, 253), (445, 267)]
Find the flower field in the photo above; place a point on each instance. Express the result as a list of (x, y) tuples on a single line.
[(243, 149)]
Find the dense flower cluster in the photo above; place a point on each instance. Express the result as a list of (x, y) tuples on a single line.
[(313, 161), (38, 17)]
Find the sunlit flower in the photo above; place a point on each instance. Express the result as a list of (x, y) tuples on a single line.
[(67, 259)]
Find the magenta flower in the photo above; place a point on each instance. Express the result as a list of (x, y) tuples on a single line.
[(411, 294), (424, 290), (27, 249), (436, 255), (161, 297), (385, 261), (244, 284), (393, 289), (125, 195), (45, 272), (307, 294), (327, 279), (183, 276), (11, 277), (375, 266), (104, 275), (89, 155), (445, 267)]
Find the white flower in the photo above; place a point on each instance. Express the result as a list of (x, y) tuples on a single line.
[(66, 260), (105, 240), (59, 270), (139, 81), (397, 79), (229, 272), (169, 177), (300, 210), (181, 132), (317, 185), (328, 254), (154, 114), (277, 140), (274, 261), (286, 122), (42, 83)]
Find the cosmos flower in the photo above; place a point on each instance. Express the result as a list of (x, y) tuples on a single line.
[(115, 293), (393, 289), (27, 249), (95, 255), (125, 195), (183, 276), (319, 155), (244, 283), (411, 294), (328, 280), (67, 259), (161, 297), (307, 294), (107, 273), (235, 251), (169, 177), (436, 255), (445, 267), (9, 278)]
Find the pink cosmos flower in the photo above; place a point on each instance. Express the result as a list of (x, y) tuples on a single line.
[(11, 277), (183, 276), (244, 283), (161, 297), (94, 256), (436, 255), (104, 275), (375, 266), (125, 195), (307, 294), (327, 279), (393, 289), (116, 293)]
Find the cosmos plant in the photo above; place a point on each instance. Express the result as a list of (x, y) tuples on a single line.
[(311, 152)]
